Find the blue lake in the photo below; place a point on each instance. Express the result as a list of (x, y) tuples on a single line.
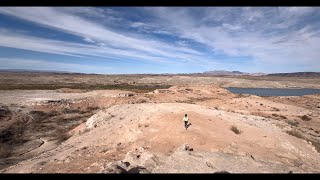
[(274, 91)]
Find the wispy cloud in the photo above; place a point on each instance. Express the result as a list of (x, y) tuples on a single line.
[(68, 48), (68, 22), (206, 37), (299, 45), (35, 64)]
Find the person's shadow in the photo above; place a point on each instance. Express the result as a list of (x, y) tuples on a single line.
[(188, 125)]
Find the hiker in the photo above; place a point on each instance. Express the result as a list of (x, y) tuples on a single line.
[(185, 119)]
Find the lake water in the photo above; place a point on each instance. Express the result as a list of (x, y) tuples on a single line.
[(274, 91)]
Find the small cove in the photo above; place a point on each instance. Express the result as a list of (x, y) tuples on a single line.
[(274, 91)]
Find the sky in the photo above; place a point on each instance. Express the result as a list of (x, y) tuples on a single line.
[(129, 40)]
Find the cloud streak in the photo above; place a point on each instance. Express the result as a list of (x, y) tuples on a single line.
[(36, 64), (68, 48), (300, 45), (76, 25), (206, 37)]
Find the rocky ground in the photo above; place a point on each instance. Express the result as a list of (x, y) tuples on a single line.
[(116, 131)]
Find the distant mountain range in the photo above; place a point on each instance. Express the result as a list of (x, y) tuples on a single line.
[(222, 72), (232, 73), (238, 73), (297, 74)]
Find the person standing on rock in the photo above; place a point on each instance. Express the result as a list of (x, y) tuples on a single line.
[(185, 119)]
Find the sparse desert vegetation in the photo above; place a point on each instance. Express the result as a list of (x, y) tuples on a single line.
[(293, 123), (295, 134), (305, 118), (235, 129)]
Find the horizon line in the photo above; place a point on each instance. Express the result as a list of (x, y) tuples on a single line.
[(204, 72)]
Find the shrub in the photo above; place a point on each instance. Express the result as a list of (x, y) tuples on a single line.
[(295, 133), (235, 129), (275, 109), (305, 118), (293, 123), (283, 117)]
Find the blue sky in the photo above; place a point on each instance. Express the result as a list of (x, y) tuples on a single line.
[(112, 40)]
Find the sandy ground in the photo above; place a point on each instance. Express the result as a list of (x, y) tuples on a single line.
[(145, 130)]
